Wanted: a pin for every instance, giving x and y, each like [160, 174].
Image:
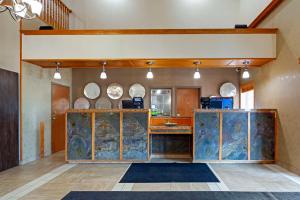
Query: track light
[197, 74]
[246, 74]
[150, 73]
[57, 74]
[103, 74]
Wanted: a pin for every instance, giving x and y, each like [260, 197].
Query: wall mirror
[92, 90]
[161, 102]
[115, 91]
[228, 90]
[137, 90]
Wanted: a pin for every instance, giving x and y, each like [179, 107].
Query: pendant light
[57, 74]
[103, 74]
[246, 74]
[150, 73]
[197, 74]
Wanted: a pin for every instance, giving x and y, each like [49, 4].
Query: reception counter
[210, 136]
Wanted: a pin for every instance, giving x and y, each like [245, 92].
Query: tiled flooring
[53, 179]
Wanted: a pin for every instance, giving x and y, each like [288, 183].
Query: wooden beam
[265, 13]
[159, 63]
[42, 140]
[149, 31]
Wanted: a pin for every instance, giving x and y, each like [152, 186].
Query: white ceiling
[127, 14]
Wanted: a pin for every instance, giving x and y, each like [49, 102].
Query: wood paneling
[42, 140]
[150, 31]
[160, 121]
[159, 63]
[9, 119]
[265, 13]
[187, 99]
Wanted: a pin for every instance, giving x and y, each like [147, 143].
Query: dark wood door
[60, 104]
[187, 99]
[9, 119]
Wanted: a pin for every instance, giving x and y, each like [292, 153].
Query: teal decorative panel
[107, 136]
[79, 127]
[135, 138]
[235, 136]
[207, 135]
[262, 136]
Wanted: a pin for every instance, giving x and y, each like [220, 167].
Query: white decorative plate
[92, 90]
[82, 103]
[115, 91]
[137, 90]
[228, 90]
[103, 103]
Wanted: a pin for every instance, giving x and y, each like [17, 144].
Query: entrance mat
[169, 172]
[181, 196]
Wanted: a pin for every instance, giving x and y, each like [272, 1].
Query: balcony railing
[56, 14]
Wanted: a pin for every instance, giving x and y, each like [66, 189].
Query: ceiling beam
[265, 13]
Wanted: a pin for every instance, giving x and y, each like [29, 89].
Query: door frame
[70, 95]
[185, 87]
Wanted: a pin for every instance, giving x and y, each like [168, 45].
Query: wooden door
[9, 119]
[187, 99]
[60, 104]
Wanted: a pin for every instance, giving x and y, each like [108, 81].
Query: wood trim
[66, 136]
[42, 140]
[148, 134]
[265, 13]
[236, 110]
[299, 60]
[221, 136]
[93, 136]
[249, 136]
[171, 133]
[150, 31]
[121, 135]
[247, 87]
[276, 143]
[193, 145]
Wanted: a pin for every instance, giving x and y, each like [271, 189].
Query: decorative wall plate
[115, 91]
[92, 90]
[82, 103]
[137, 90]
[103, 103]
[228, 90]
[120, 102]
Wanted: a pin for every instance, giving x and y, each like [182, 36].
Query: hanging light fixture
[103, 74]
[246, 74]
[150, 73]
[22, 9]
[57, 74]
[197, 74]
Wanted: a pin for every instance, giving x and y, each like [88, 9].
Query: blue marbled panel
[79, 127]
[107, 136]
[262, 136]
[135, 138]
[235, 136]
[207, 136]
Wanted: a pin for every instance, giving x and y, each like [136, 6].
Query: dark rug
[169, 172]
[181, 196]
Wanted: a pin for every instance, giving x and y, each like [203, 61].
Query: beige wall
[36, 103]
[277, 84]
[210, 82]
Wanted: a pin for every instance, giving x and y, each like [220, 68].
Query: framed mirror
[137, 90]
[115, 91]
[228, 90]
[82, 103]
[161, 100]
[91, 91]
[103, 103]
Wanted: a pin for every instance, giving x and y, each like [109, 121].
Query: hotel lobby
[141, 99]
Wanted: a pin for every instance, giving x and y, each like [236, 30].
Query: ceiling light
[103, 74]
[197, 74]
[22, 9]
[57, 74]
[246, 74]
[150, 73]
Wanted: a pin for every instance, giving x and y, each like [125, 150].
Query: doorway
[187, 99]
[60, 103]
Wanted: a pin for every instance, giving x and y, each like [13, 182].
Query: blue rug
[169, 172]
[181, 196]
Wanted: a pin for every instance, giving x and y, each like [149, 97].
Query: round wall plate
[228, 90]
[137, 90]
[92, 90]
[82, 103]
[103, 103]
[115, 91]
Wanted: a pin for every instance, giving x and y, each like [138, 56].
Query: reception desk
[235, 135]
[107, 135]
